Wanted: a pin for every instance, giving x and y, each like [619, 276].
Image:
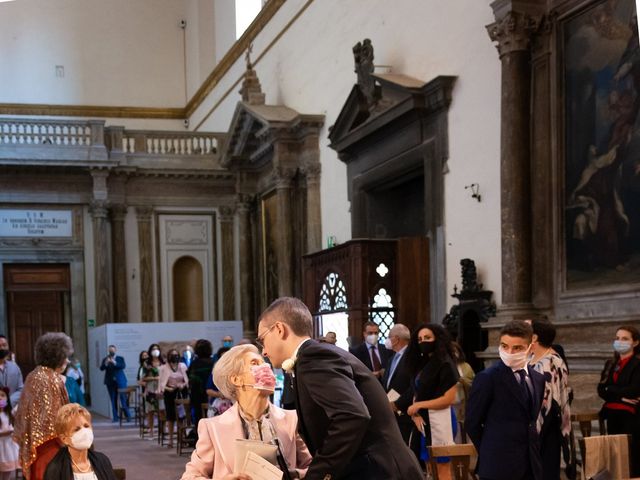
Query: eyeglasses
[260, 339]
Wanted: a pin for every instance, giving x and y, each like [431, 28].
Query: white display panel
[131, 338]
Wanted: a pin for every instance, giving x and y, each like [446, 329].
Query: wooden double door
[36, 299]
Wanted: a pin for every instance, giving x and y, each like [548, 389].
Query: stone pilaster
[243, 207]
[513, 32]
[143, 215]
[284, 220]
[102, 261]
[120, 304]
[314, 213]
[227, 218]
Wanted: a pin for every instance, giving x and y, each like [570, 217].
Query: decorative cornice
[101, 111]
[513, 32]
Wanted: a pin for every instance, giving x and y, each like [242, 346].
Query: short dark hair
[517, 328]
[369, 323]
[294, 313]
[53, 349]
[203, 348]
[545, 330]
[112, 346]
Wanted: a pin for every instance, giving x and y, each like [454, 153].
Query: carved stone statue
[469, 276]
[363, 57]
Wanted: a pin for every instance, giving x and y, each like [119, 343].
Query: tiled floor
[142, 459]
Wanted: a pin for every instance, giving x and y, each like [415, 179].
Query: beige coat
[214, 455]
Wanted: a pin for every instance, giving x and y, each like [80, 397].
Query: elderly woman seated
[242, 375]
[74, 461]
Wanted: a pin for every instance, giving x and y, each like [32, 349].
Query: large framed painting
[601, 59]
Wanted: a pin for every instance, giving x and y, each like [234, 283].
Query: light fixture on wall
[475, 191]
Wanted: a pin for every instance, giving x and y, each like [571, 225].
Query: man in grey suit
[10, 374]
[343, 411]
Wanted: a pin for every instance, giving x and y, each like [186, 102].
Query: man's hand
[378, 374]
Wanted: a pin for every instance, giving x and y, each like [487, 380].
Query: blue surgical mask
[227, 344]
[622, 346]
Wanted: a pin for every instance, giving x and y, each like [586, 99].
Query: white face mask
[372, 339]
[387, 344]
[82, 439]
[515, 361]
[155, 353]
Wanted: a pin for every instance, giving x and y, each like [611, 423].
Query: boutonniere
[289, 364]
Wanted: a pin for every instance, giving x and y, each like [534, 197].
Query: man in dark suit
[502, 409]
[343, 412]
[114, 378]
[373, 354]
[396, 378]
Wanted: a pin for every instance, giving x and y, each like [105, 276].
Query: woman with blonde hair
[74, 461]
[242, 375]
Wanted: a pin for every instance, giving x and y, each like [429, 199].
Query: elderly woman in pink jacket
[242, 375]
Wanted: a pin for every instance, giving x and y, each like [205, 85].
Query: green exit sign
[91, 322]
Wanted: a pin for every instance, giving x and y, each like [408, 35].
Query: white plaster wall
[225, 26]
[310, 69]
[201, 42]
[116, 52]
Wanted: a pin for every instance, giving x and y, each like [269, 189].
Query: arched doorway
[188, 304]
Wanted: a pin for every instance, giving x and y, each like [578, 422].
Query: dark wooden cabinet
[386, 281]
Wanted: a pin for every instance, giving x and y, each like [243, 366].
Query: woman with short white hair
[242, 375]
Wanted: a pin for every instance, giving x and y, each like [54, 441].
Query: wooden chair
[162, 420]
[460, 459]
[120, 473]
[132, 402]
[184, 427]
[610, 464]
[585, 420]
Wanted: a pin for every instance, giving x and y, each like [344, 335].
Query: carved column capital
[99, 209]
[513, 31]
[143, 213]
[283, 176]
[312, 173]
[226, 213]
[118, 212]
[243, 203]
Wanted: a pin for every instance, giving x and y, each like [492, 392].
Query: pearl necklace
[80, 470]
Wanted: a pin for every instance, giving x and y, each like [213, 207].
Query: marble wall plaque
[36, 223]
[186, 232]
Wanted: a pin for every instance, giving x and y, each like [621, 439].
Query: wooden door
[35, 306]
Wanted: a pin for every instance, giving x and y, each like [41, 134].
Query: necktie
[525, 387]
[392, 367]
[375, 361]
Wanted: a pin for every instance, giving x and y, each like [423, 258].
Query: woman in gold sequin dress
[42, 396]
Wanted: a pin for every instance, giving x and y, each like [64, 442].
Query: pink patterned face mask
[264, 377]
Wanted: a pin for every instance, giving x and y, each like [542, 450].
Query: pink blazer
[214, 455]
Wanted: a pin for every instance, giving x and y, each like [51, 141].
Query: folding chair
[184, 426]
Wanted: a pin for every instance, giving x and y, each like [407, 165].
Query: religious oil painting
[602, 153]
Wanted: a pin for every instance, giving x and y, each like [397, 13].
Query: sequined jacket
[42, 396]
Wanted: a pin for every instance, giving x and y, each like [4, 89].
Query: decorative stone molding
[513, 32]
[226, 213]
[99, 209]
[143, 213]
[118, 212]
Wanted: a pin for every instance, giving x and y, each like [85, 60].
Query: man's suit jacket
[214, 456]
[361, 352]
[502, 426]
[345, 419]
[400, 381]
[114, 373]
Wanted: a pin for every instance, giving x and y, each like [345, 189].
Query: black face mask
[3, 353]
[174, 358]
[427, 348]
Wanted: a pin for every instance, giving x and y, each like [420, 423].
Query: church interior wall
[113, 53]
[310, 69]
[133, 265]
